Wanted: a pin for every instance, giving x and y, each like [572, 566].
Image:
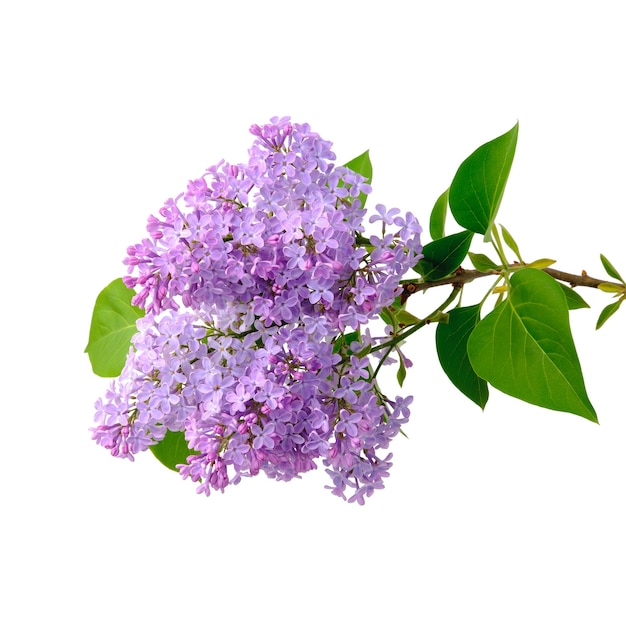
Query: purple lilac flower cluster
[257, 296]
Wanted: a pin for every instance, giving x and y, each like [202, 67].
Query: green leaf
[172, 450]
[406, 318]
[342, 343]
[477, 188]
[610, 270]
[401, 372]
[389, 313]
[611, 288]
[573, 298]
[524, 347]
[363, 166]
[387, 316]
[451, 341]
[443, 256]
[482, 262]
[541, 263]
[113, 325]
[607, 311]
[438, 216]
[508, 239]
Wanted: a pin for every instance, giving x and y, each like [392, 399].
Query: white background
[514, 515]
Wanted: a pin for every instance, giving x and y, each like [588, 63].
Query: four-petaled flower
[257, 295]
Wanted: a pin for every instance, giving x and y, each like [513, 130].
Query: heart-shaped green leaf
[524, 347]
[113, 325]
[477, 188]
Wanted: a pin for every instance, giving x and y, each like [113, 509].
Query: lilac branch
[461, 277]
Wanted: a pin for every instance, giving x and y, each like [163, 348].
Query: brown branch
[462, 277]
[576, 280]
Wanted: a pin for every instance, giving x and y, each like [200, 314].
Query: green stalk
[411, 329]
[499, 248]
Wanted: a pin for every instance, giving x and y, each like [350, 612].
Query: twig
[462, 277]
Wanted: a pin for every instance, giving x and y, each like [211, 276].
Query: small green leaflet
[610, 269]
[401, 375]
[508, 239]
[607, 311]
[482, 262]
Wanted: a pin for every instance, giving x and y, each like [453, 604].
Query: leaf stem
[497, 244]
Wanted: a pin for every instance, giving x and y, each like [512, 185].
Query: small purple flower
[238, 399]
[263, 436]
[258, 300]
[324, 240]
[348, 423]
[387, 216]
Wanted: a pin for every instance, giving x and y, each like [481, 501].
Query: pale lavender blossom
[251, 279]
